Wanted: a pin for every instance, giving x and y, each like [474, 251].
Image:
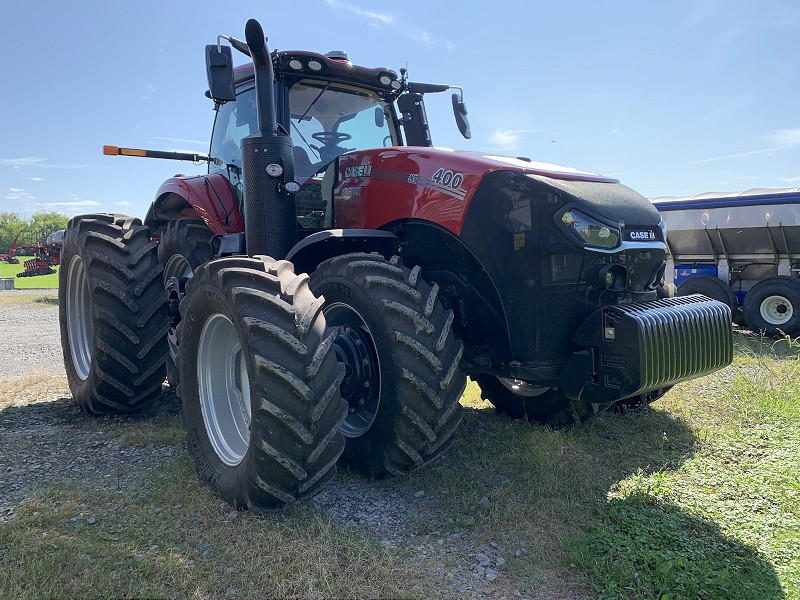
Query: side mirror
[460, 112]
[219, 68]
[380, 118]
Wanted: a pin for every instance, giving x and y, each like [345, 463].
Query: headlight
[590, 231]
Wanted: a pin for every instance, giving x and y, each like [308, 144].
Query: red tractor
[320, 295]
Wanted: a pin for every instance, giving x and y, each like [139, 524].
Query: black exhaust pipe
[270, 220]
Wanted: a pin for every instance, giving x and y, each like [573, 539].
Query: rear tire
[184, 246]
[259, 383]
[403, 380]
[542, 405]
[772, 306]
[113, 314]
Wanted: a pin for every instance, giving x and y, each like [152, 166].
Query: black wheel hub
[355, 348]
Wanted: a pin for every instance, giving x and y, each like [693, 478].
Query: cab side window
[235, 120]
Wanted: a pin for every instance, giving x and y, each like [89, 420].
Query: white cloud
[67, 166]
[376, 17]
[75, 204]
[26, 161]
[15, 190]
[383, 19]
[35, 178]
[425, 38]
[507, 139]
[786, 137]
[123, 203]
[168, 139]
[763, 151]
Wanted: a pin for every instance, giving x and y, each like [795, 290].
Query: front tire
[259, 383]
[520, 399]
[113, 314]
[403, 382]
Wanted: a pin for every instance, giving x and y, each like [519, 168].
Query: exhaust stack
[267, 162]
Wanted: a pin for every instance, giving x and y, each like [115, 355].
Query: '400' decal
[447, 179]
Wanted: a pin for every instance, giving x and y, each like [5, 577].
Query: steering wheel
[331, 138]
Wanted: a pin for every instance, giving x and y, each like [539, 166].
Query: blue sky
[672, 98]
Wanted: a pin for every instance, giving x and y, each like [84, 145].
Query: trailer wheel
[714, 288]
[259, 383]
[184, 246]
[402, 382]
[772, 306]
[520, 399]
[113, 314]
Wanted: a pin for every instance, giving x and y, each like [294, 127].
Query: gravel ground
[30, 335]
[50, 441]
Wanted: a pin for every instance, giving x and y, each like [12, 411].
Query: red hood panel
[376, 187]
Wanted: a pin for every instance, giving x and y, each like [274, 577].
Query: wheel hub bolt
[366, 384]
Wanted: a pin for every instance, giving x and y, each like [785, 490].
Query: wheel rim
[224, 389]
[177, 266]
[361, 387]
[523, 388]
[79, 318]
[776, 310]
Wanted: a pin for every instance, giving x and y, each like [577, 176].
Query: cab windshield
[328, 119]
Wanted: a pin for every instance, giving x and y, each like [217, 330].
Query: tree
[10, 225]
[48, 222]
[39, 225]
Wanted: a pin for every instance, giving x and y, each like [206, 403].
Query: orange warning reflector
[112, 150]
[132, 152]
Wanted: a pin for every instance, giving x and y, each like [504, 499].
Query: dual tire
[112, 314]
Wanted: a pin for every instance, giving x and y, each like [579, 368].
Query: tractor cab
[328, 107]
[325, 118]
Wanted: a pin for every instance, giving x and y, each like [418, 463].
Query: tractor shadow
[557, 493]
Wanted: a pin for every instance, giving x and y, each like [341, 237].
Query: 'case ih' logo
[642, 236]
[358, 171]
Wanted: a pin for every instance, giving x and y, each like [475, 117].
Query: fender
[210, 197]
[309, 252]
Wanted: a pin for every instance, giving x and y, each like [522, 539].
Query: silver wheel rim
[79, 318]
[360, 418]
[177, 266]
[523, 388]
[776, 310]
[224, 389]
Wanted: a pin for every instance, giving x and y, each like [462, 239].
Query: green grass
[38, 282]
[696, 497]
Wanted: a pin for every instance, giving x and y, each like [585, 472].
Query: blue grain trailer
[740, 248]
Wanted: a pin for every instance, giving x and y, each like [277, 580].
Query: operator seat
[303, 168]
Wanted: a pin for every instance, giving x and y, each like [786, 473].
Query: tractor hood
[442, 185]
